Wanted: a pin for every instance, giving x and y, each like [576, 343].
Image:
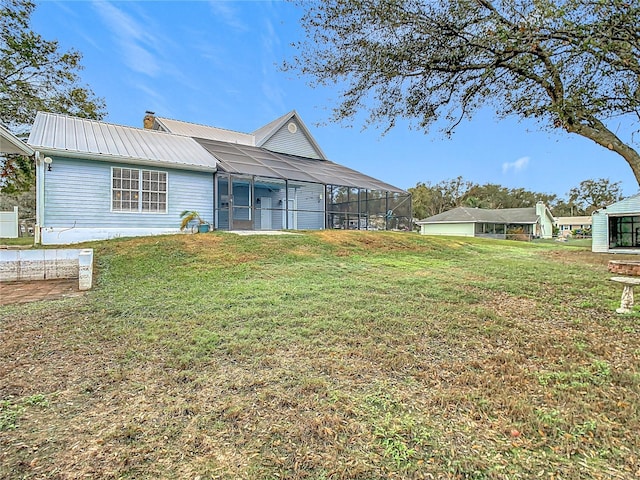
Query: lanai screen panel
[321, 194]
[236, 158]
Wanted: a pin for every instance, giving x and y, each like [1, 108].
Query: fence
[9, 224]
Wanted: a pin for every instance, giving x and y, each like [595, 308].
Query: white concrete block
[85, 269]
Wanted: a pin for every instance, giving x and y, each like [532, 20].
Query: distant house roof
[485, 215]
[62, 135]
[9, 143]
[583, 220]
[248, 160]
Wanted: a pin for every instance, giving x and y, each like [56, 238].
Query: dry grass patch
[342, 355]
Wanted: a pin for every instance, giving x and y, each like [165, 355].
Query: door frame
[241, 223]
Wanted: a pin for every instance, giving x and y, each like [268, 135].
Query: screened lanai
[257, 189]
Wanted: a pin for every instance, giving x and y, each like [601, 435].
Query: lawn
[327, 355]
[24, 241]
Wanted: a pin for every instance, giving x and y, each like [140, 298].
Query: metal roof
[485, 215]
[204, 131]
[62, 135]
[248, 160]
[9, 143]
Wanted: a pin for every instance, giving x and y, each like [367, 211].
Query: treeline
[431, 199]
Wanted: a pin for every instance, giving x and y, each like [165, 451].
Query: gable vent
[292, 127]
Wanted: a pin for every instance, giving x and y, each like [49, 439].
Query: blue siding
[309, 204]
[284, 141]
[600, 221]
[599, 232]
[78, 194]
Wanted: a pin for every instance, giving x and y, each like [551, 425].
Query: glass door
[241, 203]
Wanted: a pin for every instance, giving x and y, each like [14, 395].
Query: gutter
[101, 157]
[18, 145]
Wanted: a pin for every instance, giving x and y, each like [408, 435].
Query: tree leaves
[429, 200]
[35, 75]
[570, 64]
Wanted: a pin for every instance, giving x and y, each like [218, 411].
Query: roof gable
[288, 134]
[63, 135]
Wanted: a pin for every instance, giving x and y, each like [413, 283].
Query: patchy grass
[16, 241]
[326, 355]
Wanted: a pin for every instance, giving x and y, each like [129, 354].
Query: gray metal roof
[485, 215]
[204, 131]
[9, 143]
[248, 160]
[62, 135]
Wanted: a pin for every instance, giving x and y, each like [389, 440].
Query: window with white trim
[134, 190]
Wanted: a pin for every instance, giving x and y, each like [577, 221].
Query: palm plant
[189, 216]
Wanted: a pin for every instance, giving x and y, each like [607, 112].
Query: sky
[219, 63]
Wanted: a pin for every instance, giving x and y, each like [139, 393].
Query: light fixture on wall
[48, 161]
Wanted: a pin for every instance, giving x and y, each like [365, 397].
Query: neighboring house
[566, 225]
[492, 223]
[97, 180]
[616, 227]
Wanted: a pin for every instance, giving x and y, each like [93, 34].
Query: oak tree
[570, 64]
[592, 194]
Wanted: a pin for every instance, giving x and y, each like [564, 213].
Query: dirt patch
[34, 291]
[571, 256]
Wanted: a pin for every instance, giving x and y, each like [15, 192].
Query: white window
[154, 191]
[131, 194]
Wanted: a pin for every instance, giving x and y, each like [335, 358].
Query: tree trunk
[600, 134]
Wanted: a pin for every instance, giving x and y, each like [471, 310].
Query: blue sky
[217, 63]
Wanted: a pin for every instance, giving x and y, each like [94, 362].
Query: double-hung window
[136, 190]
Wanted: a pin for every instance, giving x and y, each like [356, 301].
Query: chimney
[149, 120]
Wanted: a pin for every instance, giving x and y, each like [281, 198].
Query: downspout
[39, 198]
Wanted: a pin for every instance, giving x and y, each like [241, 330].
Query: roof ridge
[112, 124]
[206, 126]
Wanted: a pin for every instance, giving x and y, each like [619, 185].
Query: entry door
[241, 203]
[265, 213]
[292, 216]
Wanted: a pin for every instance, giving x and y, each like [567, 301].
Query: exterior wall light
[48, 161]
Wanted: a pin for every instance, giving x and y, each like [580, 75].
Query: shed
[616, 227]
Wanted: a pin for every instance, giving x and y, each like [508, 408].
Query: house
[492, 223]
[97, 180]
[567, 225]
[616, 227]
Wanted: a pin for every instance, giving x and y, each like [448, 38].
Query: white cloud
[228, 15]
[517, 166]
[137, 44]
